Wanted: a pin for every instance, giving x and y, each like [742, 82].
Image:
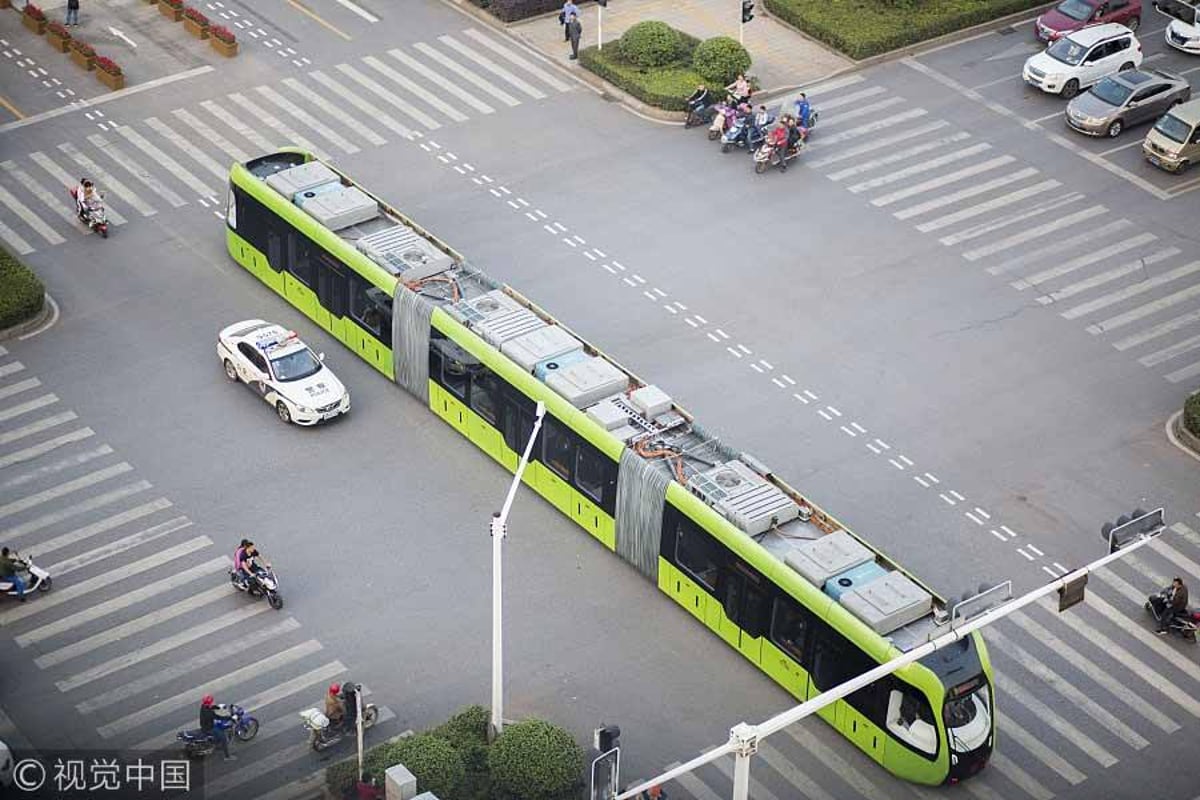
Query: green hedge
[1191, 414]
[651, 43]
[534, 760]
[720, 60]
[862, 28]
[21, 293]
[513, 10]
[664, 87]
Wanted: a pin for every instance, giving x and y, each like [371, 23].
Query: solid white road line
[1019, 777]
[60, 596]
[869, 109]
[112, 548]
[512, 56]
[40, 449]
[434, 77]
[324, 130]
[901, 137]
[182, 174]
[369, 17]
[1133, 290]
[288, 135]
[1121, 320]
[134, 167]
[237, 126]
[917, 169]
[334, 112]
[230, 649]
[68, 181]
[1085, 260]
[791, 773]
[400, 103]
[1030, 234]
[106, 181]
[965, 193]
[1161, 329]
[190, 150]
[842, 100]
[492, 67]
[1015, 692]
[53, 493]
[941, 180]
[17, 388]
[371, 110]
[55, 203]
[1168, 353]
[412, 88]
[91, 504]
[1064, 687]
[1005, 220]
[901, 156]
[991, 205]
[29, 405]
[108, 636]
[803, 735]
[74, 460]
[466, 74]
[1039, 751]
[210, 135]
[880, 124]
[1118, 689]
[43, 424]
[31, 219]
[212, 686]
[1128, 268]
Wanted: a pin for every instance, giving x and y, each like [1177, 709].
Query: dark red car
[1071, 15]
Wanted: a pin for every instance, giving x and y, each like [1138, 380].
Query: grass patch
[1191, 414]
[863, 28]
[665, 87]
[21, 292]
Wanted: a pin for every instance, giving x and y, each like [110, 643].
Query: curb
[1181, 437]
[21, 329]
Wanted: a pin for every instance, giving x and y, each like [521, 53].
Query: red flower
[107, 65]
[83, 48]
[221, 33]
[59, 30]
[34, 12]
[195, 16]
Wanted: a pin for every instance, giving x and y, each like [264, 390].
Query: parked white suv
[1082, 58]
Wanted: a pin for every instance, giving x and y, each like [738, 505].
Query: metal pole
[499, 529]
[358, 716]
[742, 34]
[599, 28]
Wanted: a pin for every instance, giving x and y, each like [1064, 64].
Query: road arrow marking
[122, 37]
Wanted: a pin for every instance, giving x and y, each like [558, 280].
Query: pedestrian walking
[564, 18]
[72, 12]
[574, 31]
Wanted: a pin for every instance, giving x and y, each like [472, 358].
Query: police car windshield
[295, 365]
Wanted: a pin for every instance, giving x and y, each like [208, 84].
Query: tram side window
[485, 394]
[454, 377]
[252, 221]
[300, 257]
[558, 447]
[698, 553]
[910, 717]
[332, 284]
[789, 625]
[518, 422]
[371, 309]
[449, 365]
[595, 475]
[837, 660]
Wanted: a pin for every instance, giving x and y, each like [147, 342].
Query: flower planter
[85, 61]
[149, 2]
[173, 14]
[38, 26]
[5, 3]
[59, 43]
[195, 28]
[111, 81]
[227, 49]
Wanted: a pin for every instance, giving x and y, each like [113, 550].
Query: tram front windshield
[967, 714]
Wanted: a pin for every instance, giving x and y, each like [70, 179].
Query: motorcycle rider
[1177, 603]
[740, 90]
[10, 570]
[215, 721]
[698, 99]
[239, 562]
[803, 109]
[335, 708]
[86, 196]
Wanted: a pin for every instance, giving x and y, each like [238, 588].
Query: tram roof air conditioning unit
[745, 498]
[723, 482]
[474, 310]
[401, 251]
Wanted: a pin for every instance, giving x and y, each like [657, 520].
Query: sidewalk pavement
[782, 58]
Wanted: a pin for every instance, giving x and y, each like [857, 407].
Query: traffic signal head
[602, 3]
[607, 737]
[747, 10]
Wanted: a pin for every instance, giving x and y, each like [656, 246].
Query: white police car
[273, 362]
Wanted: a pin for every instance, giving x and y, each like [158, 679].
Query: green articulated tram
[761, 565]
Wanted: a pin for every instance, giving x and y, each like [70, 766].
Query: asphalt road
[874, 353]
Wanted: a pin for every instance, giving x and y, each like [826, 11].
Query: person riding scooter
[1176, 604]
[10, 570]
[335, 707]
[803, 109]
[87, 198]
[215, 721]
[697, 105]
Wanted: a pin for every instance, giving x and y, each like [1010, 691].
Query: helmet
[207, 701]
[655, 792]
[335, 689]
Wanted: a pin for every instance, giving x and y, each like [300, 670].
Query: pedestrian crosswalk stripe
[288, 136]
[843, 99]
[833, 84]
[806, 786]
[14, 239]
[109, 549]
[68, 182]
[511, 55]
[45, 423]
[916, 169]
[757, 790]
[188, 697]
[901, 137]
[440, 80]
[27, 406]
[1002, 221]
[17, 388]
[1009, 769]
[1168, 353]
[803, 735]
[73, 460]
[1184, 374]
[238, 127]
[412, 88]
[871, 127]
[1133, 315]
[10, 368]
[226, 651]
[965, 193]
[29, 218]
[942, 180]
[1118, 689]
[1161, 329]
[695, 787]
[59, 204]
[181, 173]
[982, 208]
[100, 526]
[334, 112]
[1029, 234]
[184, 146]
[1128, 268]
[126, 629]
[1178, 561]
[1085, 260]
[1064, 687]
[40, 449]
[134, 167]
[466, 74]
[106, 180]
[373, 111]
[1132, 290]
[1067, 245]
[399, 102]
[287, 105]
[982, 791]
[492, 67]
[210, 135]
[55, 492]
[1040, 751]
[865, 111]
[903, 156]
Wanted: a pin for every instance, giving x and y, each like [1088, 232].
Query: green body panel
[254, 261]
[783, 668]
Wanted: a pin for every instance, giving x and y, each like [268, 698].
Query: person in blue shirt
[564, 17]
[803, 109]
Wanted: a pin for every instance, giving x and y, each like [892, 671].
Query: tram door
[744, 598]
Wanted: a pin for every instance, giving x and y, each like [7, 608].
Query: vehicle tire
[760, 167]
[276, 600]
[1128, 65]
[104, 233]
[281, 410]
[1148, 608]
[712, 135]
[371, 713]
[230, 370]
[726, 147]
[1070, 89]
[1114, 129]
[1184, 166]
[44, 586]
[1133, 23]
[248, 731]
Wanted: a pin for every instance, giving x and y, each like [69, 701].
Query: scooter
[1184, 625]
[699, 114]
[722, 121]
[262, 583]
[198, 744]
[36, 579]
[322, 734]
[769, 155]
[739, 133]
[91, 214]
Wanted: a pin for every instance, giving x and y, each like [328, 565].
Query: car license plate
[1154, 160]
[330, 414]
